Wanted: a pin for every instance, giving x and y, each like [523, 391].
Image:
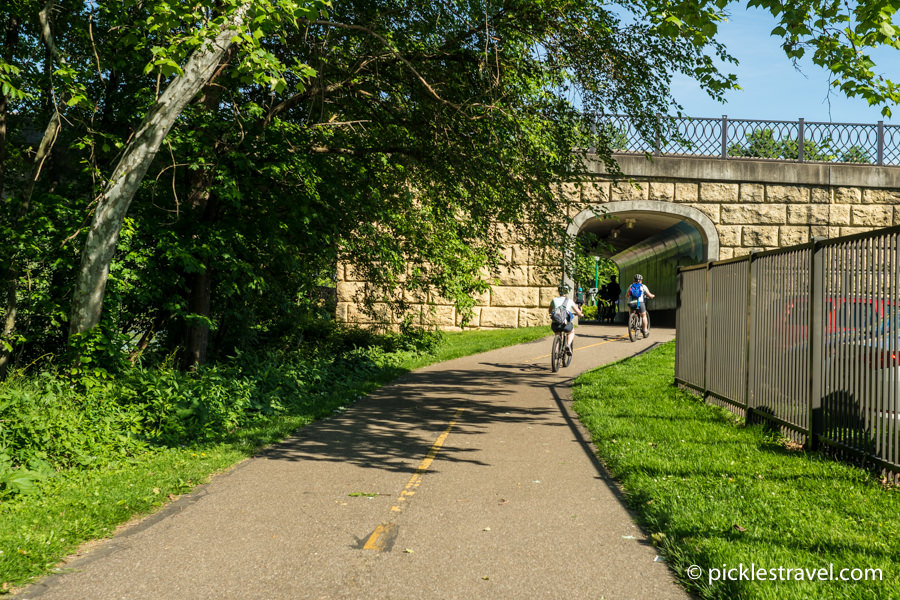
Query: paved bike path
[466, 479]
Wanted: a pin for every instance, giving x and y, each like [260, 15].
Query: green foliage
[583, 261]
[762, 143]
[855, 154]
[840, 37]
[21, 480]
[9, 80]
[589, 264]
[65, 423]
[811, 150]
[85, 416]
[97, 353]
[612, 139]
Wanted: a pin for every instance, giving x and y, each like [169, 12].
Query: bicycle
[635, 323]
[558, 354]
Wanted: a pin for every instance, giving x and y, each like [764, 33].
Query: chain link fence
[803, 339]
[801, 140]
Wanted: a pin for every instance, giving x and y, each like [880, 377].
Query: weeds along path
[467, 479]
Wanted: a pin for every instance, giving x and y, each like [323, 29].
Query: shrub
[77, 420]
[19, 480]
[50, 419]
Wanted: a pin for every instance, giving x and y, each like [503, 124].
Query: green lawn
[465, 343]
[713, 493]
[40, 528]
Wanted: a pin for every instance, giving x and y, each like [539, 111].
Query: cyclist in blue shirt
[638, 293]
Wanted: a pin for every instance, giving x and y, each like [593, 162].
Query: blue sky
[772, 88]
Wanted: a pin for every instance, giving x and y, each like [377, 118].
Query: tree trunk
[4, 103]
[9, 323]
[147, 337]
[197, 332]
[100, 245]
[203, 209]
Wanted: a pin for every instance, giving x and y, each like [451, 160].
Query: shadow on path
[393, 427]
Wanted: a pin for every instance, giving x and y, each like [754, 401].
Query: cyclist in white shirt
[572, 308]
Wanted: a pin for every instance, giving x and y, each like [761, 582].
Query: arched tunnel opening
[654, 244]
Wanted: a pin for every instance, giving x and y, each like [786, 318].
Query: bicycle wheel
[556, 353]
[634, 325]
[567, 356]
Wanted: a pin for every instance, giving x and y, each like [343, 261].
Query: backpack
[559, 318]
[635, 290]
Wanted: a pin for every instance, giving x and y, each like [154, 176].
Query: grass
[39, 529]
[465, 343]
[712, 492]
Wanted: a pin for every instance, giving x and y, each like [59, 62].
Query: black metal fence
[801, 140]
[806, 339]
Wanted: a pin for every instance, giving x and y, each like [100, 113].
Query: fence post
[816, 340]
[679, 287]
[801, 141]
[749, 338]
[657, 142]
[724, 136]
[706, 334]
[880, 143]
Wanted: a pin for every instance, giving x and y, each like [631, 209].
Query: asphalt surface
[467, 479]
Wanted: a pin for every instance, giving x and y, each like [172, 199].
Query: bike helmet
[638, 277]
[563, 289]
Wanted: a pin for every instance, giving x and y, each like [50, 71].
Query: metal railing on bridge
[806, 339]
[801, 140]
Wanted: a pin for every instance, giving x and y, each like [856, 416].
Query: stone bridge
[732, 206]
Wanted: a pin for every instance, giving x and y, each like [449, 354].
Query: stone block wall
[753, 205]
[762, 205]
[755, 217]
[520, 297]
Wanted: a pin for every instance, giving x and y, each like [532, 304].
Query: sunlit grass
[712, 492]
[466, 343]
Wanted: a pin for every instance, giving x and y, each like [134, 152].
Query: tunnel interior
[653, 244]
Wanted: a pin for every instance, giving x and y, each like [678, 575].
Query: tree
[840, 35]
[122, 185]
[761, 143]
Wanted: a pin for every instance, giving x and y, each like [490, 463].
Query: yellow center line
[376, 541]
[582, 347]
